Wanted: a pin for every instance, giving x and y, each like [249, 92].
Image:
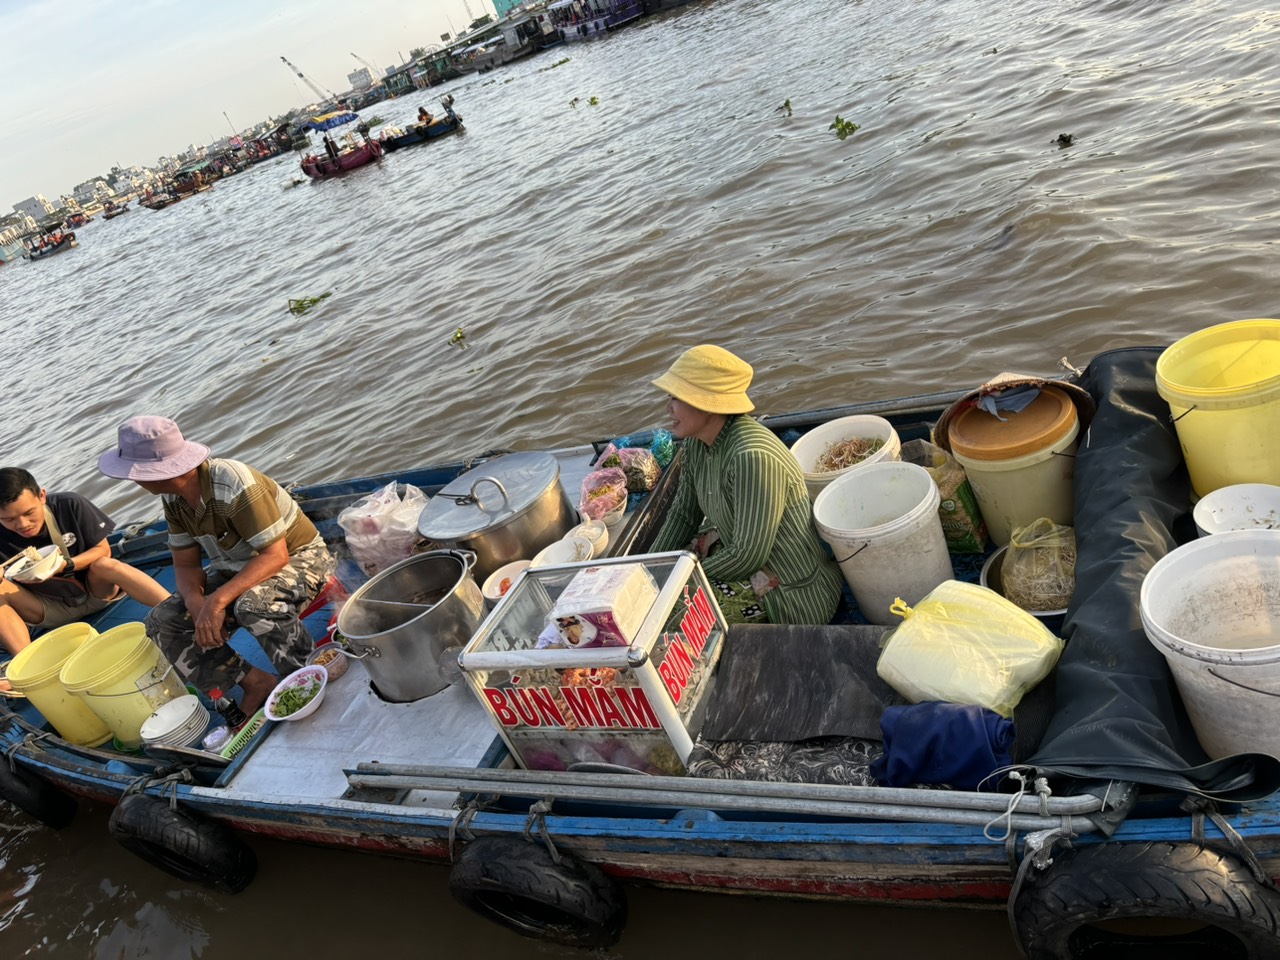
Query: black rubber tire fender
[182, 843]
[35, 797]
[518, 885]
[1221, 911]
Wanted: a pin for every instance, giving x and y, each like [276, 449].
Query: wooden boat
[66, 243]
[424, 132]
[1119, 816]
[321, 167]
[110, 213]
[159, 201]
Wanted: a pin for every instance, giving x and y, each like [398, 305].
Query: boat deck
[304, 761]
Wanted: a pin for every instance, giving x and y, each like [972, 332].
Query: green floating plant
[786, 107]
[303, 304]
[843, 127]
[594, 101]
[459, 339]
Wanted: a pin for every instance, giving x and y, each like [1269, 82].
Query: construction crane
[315, 87]
[373, 71]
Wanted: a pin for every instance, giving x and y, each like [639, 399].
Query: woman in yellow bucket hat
[742, 504]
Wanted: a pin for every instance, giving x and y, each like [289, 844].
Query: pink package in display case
[604, 606]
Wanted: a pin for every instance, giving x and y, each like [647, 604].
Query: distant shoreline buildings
[521, 29]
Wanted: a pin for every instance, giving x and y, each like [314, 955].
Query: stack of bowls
[182, 722]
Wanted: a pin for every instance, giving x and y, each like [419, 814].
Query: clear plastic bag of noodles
[964, 643]
[1039, 569]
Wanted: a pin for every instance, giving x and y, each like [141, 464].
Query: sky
[88, 84]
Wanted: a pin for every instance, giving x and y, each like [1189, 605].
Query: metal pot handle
[468, 557]
[495, 481]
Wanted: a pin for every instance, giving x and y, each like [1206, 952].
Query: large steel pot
[506, 509]
[409, 623]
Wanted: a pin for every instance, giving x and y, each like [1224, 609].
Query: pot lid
[474, 503]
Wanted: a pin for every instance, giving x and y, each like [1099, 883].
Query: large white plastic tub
[882, 523]
[1212, 607]
[810, 447]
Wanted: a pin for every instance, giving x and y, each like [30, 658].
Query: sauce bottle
[229, 709]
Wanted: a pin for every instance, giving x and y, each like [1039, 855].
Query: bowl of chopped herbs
[297, 695]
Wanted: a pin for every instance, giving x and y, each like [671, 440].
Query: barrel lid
[472, 504]
[978, 435]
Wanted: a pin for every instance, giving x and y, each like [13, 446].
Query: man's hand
[210, 624]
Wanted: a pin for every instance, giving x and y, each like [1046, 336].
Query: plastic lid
[524, 476]
[978, 435]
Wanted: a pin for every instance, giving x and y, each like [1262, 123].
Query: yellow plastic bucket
[1223, 387]
[34, 673]
[122, 677]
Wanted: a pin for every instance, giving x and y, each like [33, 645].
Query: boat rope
[1042, 790]
[1036, 851]
[462, 824]
[538, 818]
[11, 751]
[1201, 807]
[168, 784]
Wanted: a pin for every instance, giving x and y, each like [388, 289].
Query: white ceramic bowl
[299, 678]
[28, 571]
[595, 531]
[492, 588]
[570, 549]
[1240, 506]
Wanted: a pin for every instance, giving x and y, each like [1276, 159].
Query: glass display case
[633, 696]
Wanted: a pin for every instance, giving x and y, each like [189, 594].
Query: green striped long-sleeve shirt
[749, 488]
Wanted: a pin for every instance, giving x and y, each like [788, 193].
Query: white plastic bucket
[1212, 607]
[882, 523]
[1013, 492]
[810, 447]
[1241, 506]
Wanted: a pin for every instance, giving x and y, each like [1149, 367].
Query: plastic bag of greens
[638, 463]
[967, 644]
[603, 491]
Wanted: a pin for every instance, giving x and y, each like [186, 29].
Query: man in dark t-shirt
[86, 577]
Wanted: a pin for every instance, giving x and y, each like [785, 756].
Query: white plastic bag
[382, 528]
[967, 644]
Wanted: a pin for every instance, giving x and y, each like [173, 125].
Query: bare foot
[257, 685]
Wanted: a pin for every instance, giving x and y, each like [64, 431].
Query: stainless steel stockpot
[504, 510]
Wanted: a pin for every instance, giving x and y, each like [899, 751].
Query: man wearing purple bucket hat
[266, 559]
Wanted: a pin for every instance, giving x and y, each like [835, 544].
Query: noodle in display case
[638, 705]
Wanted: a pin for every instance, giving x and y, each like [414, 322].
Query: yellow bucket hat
[709, 378]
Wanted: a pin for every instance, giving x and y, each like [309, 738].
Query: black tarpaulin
[1118, 714]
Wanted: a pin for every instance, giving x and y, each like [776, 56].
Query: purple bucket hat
[151, 448]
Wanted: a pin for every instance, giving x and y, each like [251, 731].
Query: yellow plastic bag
[967, 644]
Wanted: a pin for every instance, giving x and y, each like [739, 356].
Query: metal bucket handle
[1243, 686]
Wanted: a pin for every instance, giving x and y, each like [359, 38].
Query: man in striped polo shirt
[266, 559]
[742, 504]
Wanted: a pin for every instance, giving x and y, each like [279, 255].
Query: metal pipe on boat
[720, 801]
[533, 779]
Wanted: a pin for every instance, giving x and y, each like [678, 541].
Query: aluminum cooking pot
[505, 510]
[409, 623]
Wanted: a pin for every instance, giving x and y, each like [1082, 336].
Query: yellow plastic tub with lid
[1222, 385]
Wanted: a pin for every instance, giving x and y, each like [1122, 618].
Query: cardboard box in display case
[632, 695]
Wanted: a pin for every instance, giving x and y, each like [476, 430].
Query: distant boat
[113, 211]
[11, 251]
[337, 160]
[422, 132]
[65, 242]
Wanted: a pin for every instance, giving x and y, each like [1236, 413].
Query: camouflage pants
[268, 611]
